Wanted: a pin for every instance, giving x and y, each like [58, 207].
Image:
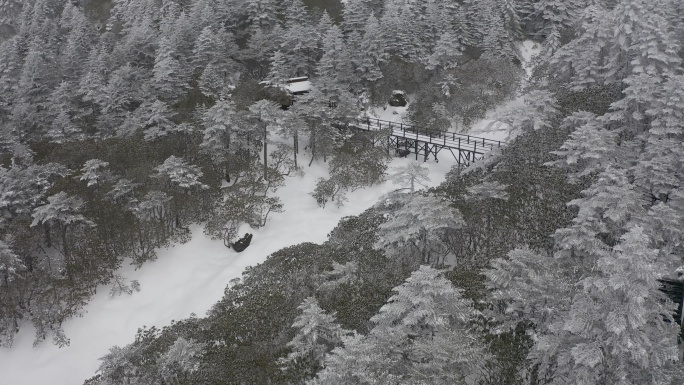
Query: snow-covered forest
[128, 124]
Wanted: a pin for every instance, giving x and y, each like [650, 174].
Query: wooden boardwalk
[409, 139]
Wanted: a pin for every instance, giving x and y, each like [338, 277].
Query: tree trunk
[296, 148]
[312, 144]
[48, 240]
[265, 154]
[64, 243]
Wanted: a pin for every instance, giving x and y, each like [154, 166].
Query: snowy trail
[185, 279]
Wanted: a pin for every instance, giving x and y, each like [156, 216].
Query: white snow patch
[393, 114]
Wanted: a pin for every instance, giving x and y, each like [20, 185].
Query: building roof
[299, 86]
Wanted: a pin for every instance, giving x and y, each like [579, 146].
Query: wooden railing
[448, 139]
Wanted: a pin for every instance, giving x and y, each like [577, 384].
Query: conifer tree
[589, 149]
[317, 334]
[420, 335]
[219, 122]
[159, 120]
[62, 214]
[414, 233]
[355, 14]
[266, 117]
[371, 51]
[334, 64]
[94, 171]
[169, 79]
[177, 172]
[261, 15]
[299, 41]
[277, 73]
[447, 52]
[412, 174]
[10, 67]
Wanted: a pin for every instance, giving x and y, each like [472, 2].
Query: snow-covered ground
[185, 279]
[191, 277]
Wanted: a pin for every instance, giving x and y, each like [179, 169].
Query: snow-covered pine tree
[619, 325]
[607, 327]
[291, 126]
[61, 214]
[497, 40]
[125, 91]
[605, 208]
[80, 36]
[204, 50]
[159, 121]
[62, 109]
[278, 72]
[261, 15]
[299, 41]
[94, 77]
[11, 269]
[589, 149]
[447, 52]
[138, 46]
[317, 333]
[94, 171]
[421, 335]
[180, 174]
[355, 14]
[265, 117]
[412, 174]
[334, 65]
[10, 69]
[549, 14]
[413, 233]
[10, 266]
[372, 51]
[399, 21]
[219, 122]
[122, 192]
[169, 79]
[180, 361]
[36, 80]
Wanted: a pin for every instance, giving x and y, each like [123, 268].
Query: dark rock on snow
[242, 243]
[402, 152]
[398, 99]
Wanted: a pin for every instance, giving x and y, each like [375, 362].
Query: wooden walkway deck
[421, 142]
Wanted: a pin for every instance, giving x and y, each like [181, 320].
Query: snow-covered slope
[185, 279]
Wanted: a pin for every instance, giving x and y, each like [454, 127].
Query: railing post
[474, 149]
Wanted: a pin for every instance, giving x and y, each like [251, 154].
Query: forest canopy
[123, 122]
